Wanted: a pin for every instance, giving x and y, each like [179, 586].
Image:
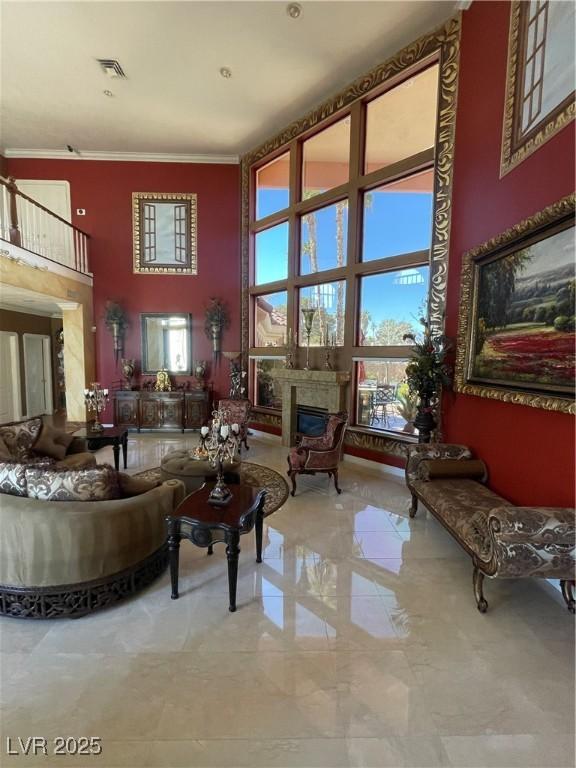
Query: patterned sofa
[503, 540]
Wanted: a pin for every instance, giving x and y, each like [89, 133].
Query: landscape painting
[523, 319]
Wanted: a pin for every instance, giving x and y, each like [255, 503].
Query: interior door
[38, 374]
[9, 378]
[54, 238]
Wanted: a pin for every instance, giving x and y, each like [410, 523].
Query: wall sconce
[116, 322]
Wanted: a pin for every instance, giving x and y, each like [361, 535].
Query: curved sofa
[66, 559]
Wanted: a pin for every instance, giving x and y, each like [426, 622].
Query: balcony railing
[29, 225]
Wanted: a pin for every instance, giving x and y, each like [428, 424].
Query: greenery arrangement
[427, 369]
[114, 315]
[216, 315]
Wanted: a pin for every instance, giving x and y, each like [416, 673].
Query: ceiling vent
[112, 68]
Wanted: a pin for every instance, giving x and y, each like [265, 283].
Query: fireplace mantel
[318, 389]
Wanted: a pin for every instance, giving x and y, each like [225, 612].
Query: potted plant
[216, 319]
[426, 373]
[407, 406]
[116, 322]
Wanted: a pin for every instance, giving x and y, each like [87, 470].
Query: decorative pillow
[95, 484]
[5, 454]
[13, 478]
[52, 442]
[135, 486]
[19, 438]
[436, 468]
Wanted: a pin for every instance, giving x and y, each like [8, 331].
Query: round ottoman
[193, 473]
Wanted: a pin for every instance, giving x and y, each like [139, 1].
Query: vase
[424, 422]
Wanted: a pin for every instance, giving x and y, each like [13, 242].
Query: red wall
[529, 452]
[105, 189]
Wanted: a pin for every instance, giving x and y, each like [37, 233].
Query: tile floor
[356, 643]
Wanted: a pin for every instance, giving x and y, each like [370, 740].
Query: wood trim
[442, 46]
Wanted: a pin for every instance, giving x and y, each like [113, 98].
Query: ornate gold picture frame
[164, 233]
[540, 78]
[516, 325]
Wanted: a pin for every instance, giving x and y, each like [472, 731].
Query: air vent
[112, 68]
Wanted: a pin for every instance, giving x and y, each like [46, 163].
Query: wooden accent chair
[238, 413]
[319, 454]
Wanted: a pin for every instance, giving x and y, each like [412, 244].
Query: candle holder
[329, 351]
[220, 441]
[96, 400]
[308, 315]
[291, 345]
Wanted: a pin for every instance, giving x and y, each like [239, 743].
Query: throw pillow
[135, 486]
[19, 438]
[52, 442]
[95, 484]
[13, 478]
[437, 468]
[5, 454]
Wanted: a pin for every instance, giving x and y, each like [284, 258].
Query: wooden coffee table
[117, 437]
[205, 525]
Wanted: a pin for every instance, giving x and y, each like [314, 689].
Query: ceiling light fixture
[108, 93]
[226, 73]
[294, 10]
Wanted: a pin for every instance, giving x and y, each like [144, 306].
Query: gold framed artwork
[517, 314]
[164, 233]
[540, 77]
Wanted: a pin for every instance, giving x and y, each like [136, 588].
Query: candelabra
[96, 400]
[220, 441]
[308, 315]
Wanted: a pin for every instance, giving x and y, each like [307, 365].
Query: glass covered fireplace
[311, 421]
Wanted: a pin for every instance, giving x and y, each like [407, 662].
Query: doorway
[10, 409]
[38, 374]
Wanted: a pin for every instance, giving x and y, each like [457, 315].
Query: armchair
[319, 454]
[238, 413]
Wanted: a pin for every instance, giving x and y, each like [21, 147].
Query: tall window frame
[439, 48]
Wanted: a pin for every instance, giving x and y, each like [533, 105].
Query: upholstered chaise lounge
[503, 540]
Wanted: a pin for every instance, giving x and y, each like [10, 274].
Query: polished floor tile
[356, 643]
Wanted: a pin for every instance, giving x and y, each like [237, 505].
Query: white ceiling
[174, 100]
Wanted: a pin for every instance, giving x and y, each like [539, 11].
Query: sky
[394, 223]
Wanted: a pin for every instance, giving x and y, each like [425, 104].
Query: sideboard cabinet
[161, 410]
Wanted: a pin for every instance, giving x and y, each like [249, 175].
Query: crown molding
[137, 157]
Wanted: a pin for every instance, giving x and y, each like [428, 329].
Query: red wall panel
[529, 452]
[105, 189]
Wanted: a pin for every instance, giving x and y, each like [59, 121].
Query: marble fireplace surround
[317, 389]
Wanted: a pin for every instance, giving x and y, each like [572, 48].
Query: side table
[204, 525]
[117, 437]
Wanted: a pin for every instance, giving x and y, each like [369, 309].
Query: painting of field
[524, 327]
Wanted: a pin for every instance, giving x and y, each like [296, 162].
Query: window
[329, 301]
[402, 122]
[268, 393]
[326, 159]
[391, 304]
[272, 186]
[382, 398]
[358, 256]
[323, 240]
[270, 319]
[398, 217]
[271, 254]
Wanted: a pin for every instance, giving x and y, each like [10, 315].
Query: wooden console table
[161, 410]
